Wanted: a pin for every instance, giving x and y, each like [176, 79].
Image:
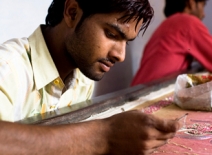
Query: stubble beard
[85, 66]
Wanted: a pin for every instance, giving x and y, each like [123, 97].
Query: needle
[177, 119]
[183, 127]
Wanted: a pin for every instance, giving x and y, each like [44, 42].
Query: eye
[109, 34]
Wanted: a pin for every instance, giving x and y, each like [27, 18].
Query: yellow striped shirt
[30, 83]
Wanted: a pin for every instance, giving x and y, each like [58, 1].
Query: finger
[167, 125]
[146, 148]
[165, 136]
[153, 133]
[153, 144]
[150, 151]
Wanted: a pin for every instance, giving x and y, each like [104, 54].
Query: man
[179, 40]
[52, 68]
[81, 40]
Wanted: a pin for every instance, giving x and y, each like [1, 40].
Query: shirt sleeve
[14, 83]
[6, 109]
[201, 44]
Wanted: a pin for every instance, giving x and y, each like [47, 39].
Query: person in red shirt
[179, 40]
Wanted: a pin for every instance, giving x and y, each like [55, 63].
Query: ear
[191, 4]
[71, 13]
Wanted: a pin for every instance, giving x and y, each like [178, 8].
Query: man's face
[198, 10]
[99, 43]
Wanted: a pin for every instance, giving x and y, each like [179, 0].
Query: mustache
[107, 60]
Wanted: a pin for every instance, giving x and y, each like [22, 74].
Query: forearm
[72, 139]
[25, 139]
[127, 133]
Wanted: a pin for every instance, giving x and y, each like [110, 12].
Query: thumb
[167, 125]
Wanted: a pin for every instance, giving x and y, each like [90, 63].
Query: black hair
[132, 9]
[174, 6]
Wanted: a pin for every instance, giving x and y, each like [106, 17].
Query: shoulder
[14, 58]
[17, 47]
[15, 66]
[183, 23]
[184, 18]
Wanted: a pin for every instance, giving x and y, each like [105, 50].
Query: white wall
[19, 18]
[208, 12]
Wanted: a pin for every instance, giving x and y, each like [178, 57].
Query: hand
[137, 133]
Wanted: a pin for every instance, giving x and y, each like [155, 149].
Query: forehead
[116, 19]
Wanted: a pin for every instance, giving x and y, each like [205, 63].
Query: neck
[55, 42]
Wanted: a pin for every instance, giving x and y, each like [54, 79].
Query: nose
[118, 52]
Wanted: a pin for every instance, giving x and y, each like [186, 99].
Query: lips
[106, 65]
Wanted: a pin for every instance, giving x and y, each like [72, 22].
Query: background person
[174, 45]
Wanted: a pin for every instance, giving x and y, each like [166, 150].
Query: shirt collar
[43, 66]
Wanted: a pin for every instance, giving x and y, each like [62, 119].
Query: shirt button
[52, 106]
[57, 81]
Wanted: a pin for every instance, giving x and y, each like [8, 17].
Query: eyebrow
[121, 33]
